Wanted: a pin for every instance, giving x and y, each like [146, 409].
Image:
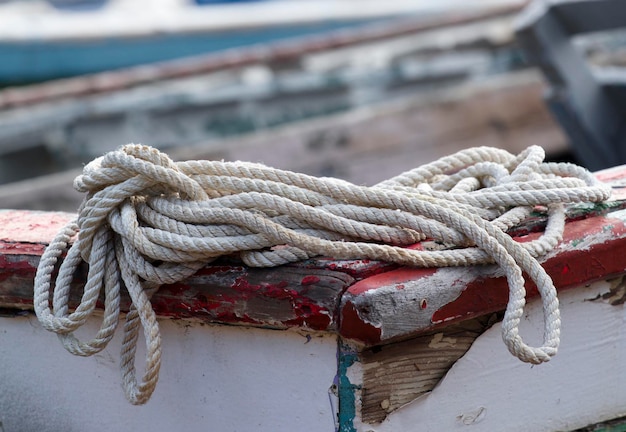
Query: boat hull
[40, 60]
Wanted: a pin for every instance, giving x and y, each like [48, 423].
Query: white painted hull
[488, 390]
[229, 378]
[219, 378]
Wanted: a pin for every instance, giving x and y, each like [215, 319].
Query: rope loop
[147, 220]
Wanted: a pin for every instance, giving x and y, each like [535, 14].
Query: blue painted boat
[40, 60]
[62, 38]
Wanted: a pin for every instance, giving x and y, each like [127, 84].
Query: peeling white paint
[488, 390]
[619, 214]
[399, 312]
[473, 416]
[439, 341]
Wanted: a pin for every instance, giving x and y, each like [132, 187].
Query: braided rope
[147, 220]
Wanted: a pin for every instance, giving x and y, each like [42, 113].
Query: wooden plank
[398, 373]
[213, 377]
[279, 297]
[400, 317]
[404, 302]
[488, 388]
[204, 107]
[385, 303]
[303, 297]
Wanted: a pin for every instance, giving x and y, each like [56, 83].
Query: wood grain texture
[396, 374]
[405, 301]
[488, 390]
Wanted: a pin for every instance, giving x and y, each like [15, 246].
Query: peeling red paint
[252, 296]
[200, 307]
[10, 268]
[12, 248]
[309, 280]
[570, 268]
[390, 278]
[611, 174]
[242, 285]
[21, 226]
[289, 296]
[306, 312]
[353, 326]
[310, 315]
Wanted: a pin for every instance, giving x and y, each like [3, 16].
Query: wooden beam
[278, 298]
[405, 302]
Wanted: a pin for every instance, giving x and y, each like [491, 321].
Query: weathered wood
[385, 304]
[396, 374]
[488, 390]
[395, 317]
[405, 302]
[275, 54]
[299, 296]
[213, 378]
[277, 298]
[241, 91]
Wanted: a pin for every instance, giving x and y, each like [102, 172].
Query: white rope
[147, 220]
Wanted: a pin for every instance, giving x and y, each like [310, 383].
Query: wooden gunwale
[364, 301]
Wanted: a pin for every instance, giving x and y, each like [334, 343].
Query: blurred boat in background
[361, 104]
[42, 40]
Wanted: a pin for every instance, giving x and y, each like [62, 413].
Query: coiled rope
[148, 221]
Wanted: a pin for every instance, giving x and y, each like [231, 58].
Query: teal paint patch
[576, 242]
[347, 356]
[616, 425]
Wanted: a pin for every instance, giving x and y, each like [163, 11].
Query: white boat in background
[41, 40]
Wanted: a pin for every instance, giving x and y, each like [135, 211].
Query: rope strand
[142, 208]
